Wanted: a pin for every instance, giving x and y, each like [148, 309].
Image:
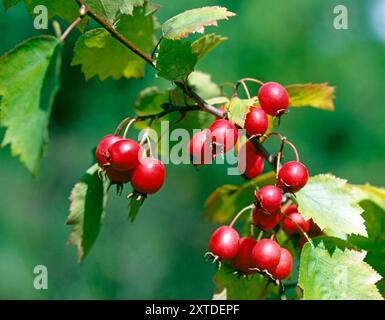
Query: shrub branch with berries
[283, 233]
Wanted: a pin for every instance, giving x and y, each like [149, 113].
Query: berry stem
[70, 28]
[128, 127]
[241, 82]
[252, 80]
[294, 149]
[239, 214]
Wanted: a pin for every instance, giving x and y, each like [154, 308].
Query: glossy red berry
[256, 122]
[284, 267]
[290, 227]
[266, 254]
[116, 176]
[290, 209]
[273, 98]
[124, 154]
[242, 260]
[102, 149]
[293, 176]
[224, 243]
[148, 177]
[270, 198]
[250, 162]
[224, 134]
[265, 220]
[200, 148]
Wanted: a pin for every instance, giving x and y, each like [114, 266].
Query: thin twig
[70, 28]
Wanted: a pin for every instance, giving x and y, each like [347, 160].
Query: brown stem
[239, 214]
[117, 35]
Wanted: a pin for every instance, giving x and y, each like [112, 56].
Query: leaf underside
[87, 210]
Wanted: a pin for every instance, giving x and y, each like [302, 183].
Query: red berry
[273, 98]
[200, 148]
[293, 176]
[250, 162]
[290, 209]
[284, 267]
[116, 176]
[148, 176]
[224, 243]
[256, 122]
[290, 227]
[224, 134]
[265, 220]
[102, 149]
[242, 260]
[124, 154]
[266, 254]
[270, 198]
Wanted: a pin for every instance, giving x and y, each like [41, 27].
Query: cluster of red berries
[121, 159]
[270, 206]
[248, 256]
[222, 135]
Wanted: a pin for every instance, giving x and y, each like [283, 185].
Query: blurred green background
[160, 256]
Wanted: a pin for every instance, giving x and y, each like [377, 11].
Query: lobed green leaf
[29, 81]
[99, 54]
[331, 204]
[342, 275]
[205, 44]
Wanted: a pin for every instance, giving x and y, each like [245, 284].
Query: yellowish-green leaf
[194, 20]
[206, 44]
[320, 96]
[331, 204]
[342, 275]
[203, 85]
[238, 109]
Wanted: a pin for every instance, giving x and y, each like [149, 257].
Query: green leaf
[372, 200]
[111, 9]
[206, 44]
[203, 85]
[331, 204]
[134, 207]
[238, 109]
[229, 286]
[227, 200]
[194, 20]
[67, 10]
[343, 275]
[29, 81]
[99, 54]
[149, 101]
[87, 210]
[319, 96]
[10, 3]
[176, 59]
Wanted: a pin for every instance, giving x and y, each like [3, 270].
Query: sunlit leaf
[330, 203]
[319, 96]
[194, 20]
[206, 44]
[342, 275]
